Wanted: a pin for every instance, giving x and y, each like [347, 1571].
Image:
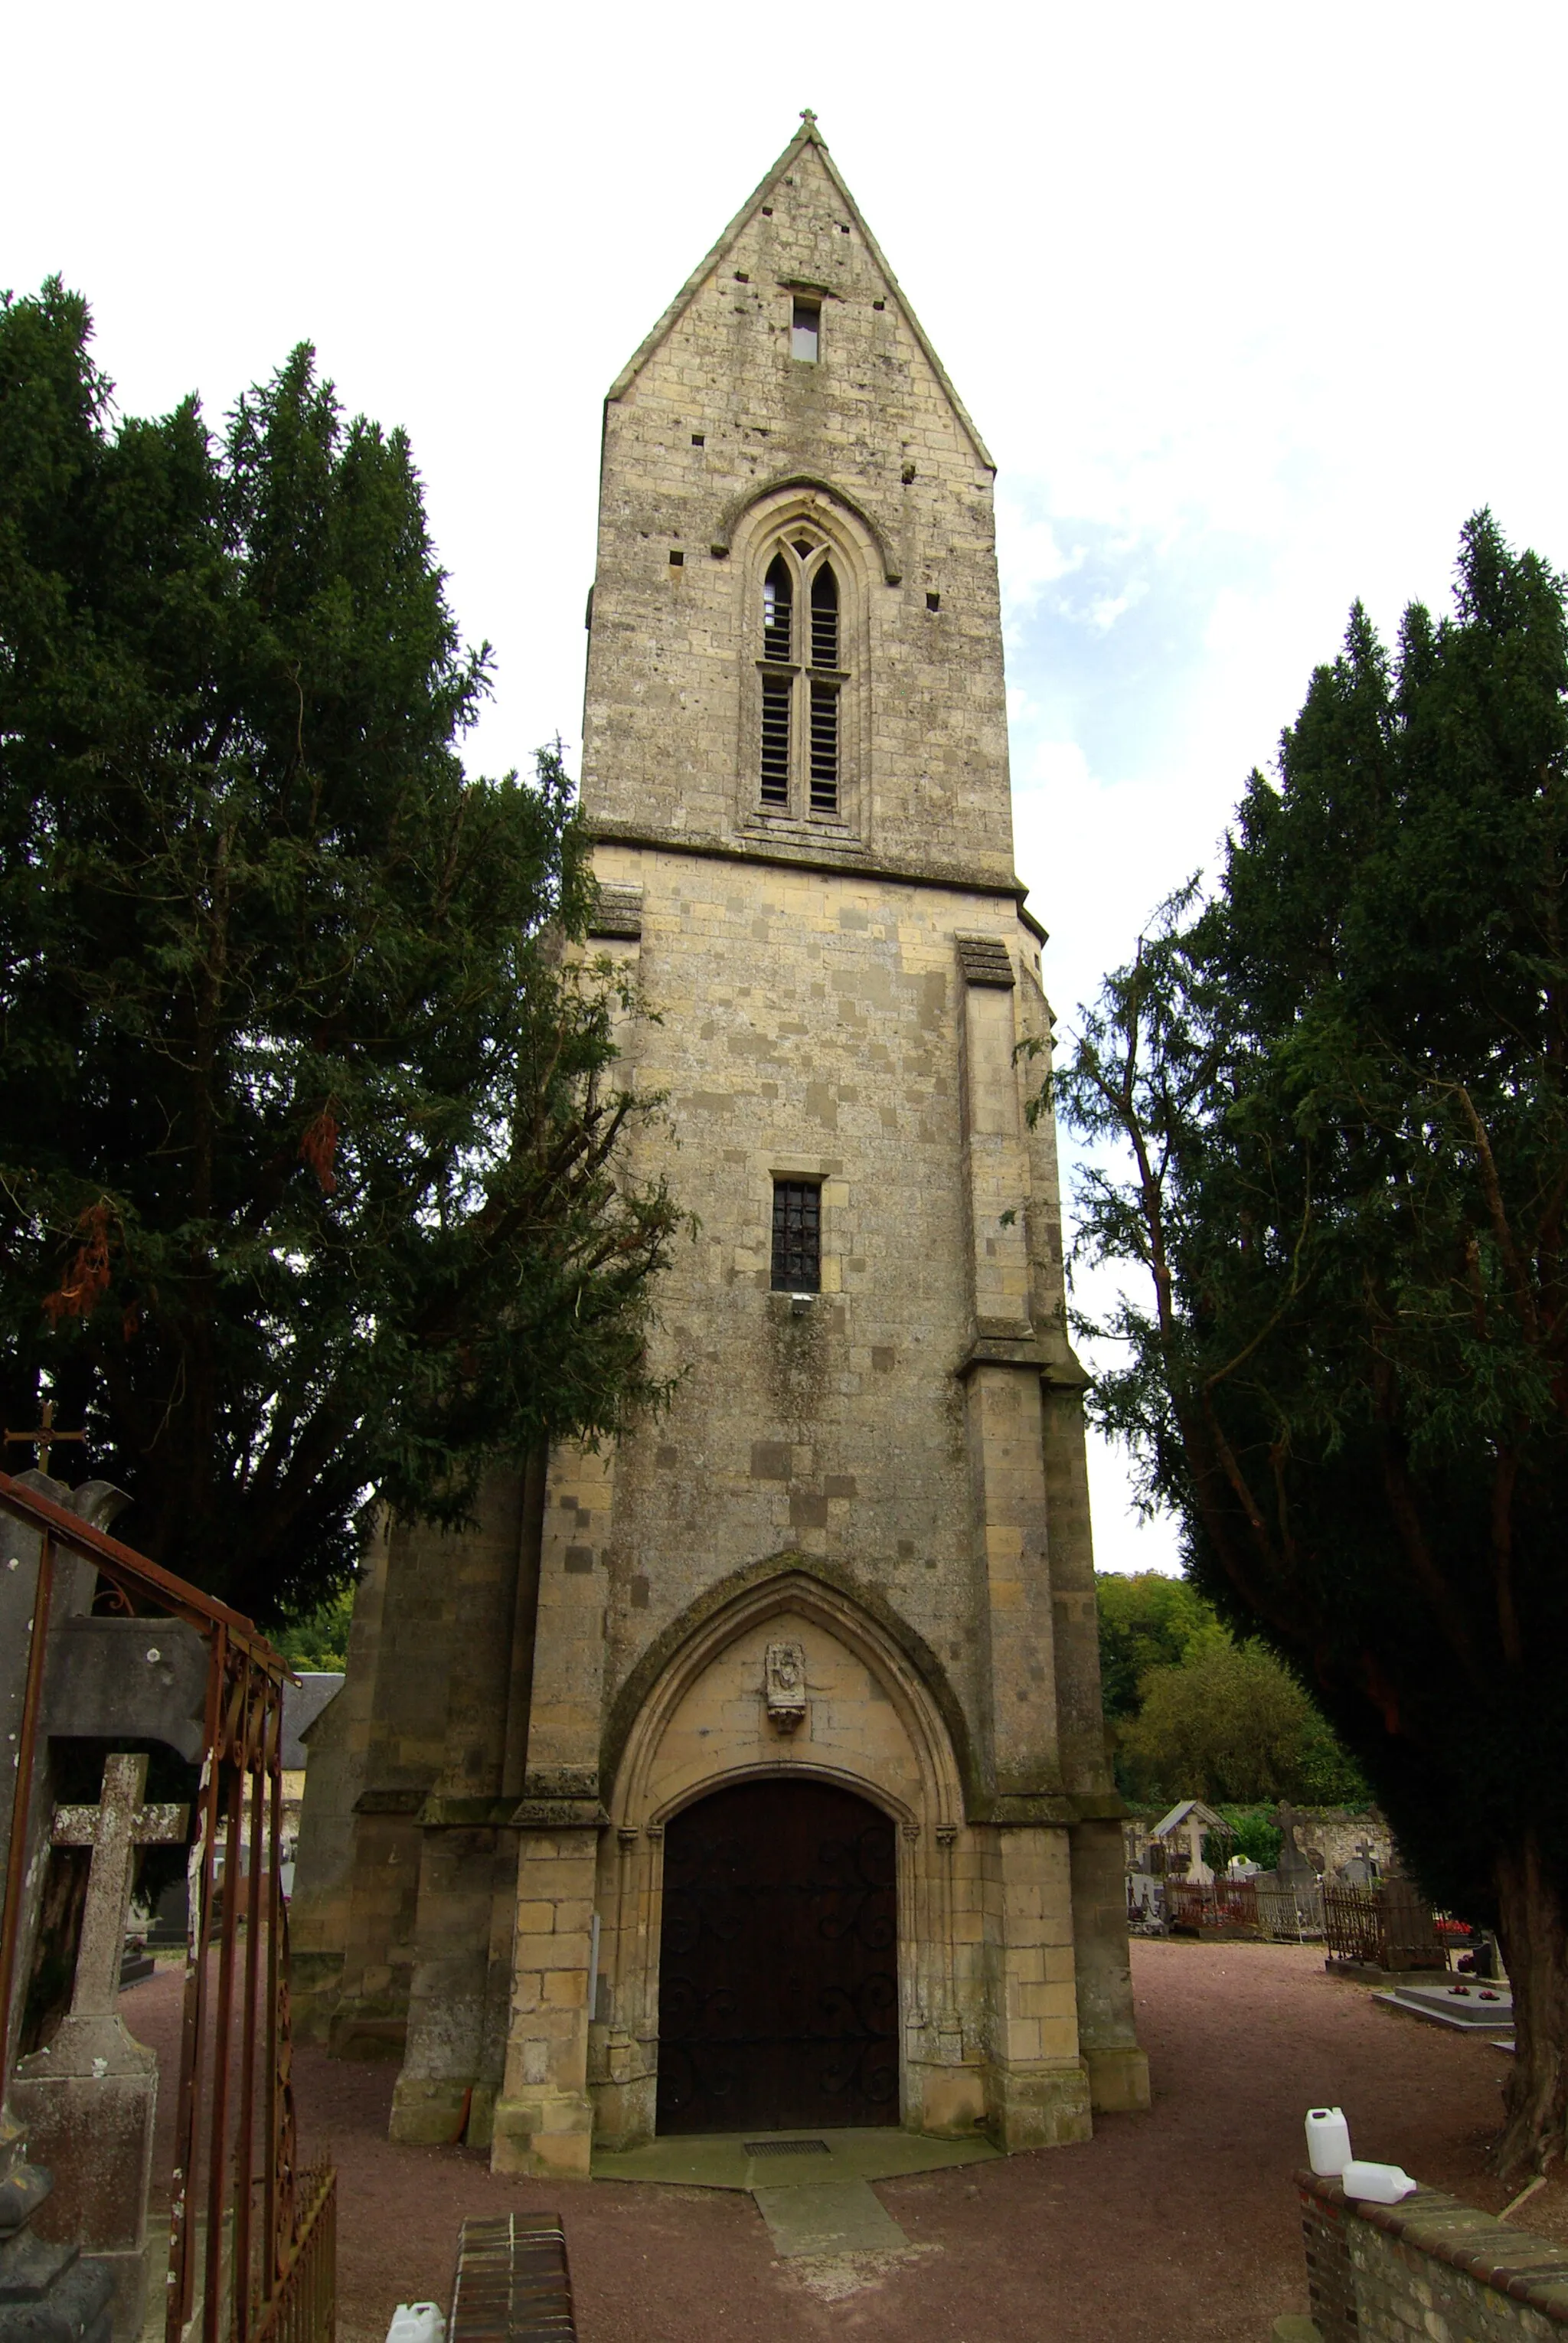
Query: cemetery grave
[100, 1647]
[1189, 2206]
[1189, 2215]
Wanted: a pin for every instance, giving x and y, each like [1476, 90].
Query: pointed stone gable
[803, 221]
[720, 430]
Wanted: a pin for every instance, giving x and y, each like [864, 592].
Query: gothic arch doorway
[778, 1990]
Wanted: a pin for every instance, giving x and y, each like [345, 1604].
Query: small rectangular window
[797, 1236]
[806, 330]
[776, 690]
[824, 747]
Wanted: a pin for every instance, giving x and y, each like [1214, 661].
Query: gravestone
[1293, 1866]
[168, 1923]
[1411, 1935]
[104, 1678]
[48, 2293]
[88, 2100]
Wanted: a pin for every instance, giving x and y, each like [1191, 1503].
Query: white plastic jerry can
[416, 2322]
[1328, 2140]
[1378, 2184]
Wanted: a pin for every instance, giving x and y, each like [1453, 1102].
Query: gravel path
[1181, 2222]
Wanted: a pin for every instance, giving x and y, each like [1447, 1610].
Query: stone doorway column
[1037, 2084]
[543, 2118]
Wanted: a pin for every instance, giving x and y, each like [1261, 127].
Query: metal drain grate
[788, 2147]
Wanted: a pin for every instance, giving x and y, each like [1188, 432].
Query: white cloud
[1029, 560]
[1057, 767]
[1106, 608]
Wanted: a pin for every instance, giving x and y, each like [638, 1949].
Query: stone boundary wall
[1430, 2266]
[1333, 1833]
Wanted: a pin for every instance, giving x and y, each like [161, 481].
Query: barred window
[778, 598]
[797, 1236]
[776, 693]
[824, 747]
[825, 617]
[800, 767]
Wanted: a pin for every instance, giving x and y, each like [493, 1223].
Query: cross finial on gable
[807, 117]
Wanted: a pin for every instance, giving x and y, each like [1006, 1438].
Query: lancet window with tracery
[804, 678]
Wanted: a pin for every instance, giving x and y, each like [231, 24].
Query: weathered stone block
[89, 2104]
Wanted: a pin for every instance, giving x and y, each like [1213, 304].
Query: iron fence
[246, 2232]
[1225, 1903]
[1388, 1927]
[303, 2309]
[1291, 1910]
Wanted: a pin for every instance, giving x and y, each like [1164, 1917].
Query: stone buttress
[795, 768]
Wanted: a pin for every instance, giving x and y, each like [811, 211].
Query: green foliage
[1146, 1620]
[1227, 1723]
[319, 1641]
[311, 1168]
[1340, 1092]
[1327, 1772]
[1254, 1835]
[1194, 1715]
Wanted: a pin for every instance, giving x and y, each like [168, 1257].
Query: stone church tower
[752, 1774]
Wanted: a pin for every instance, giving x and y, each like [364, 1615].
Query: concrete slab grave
[1471, 2008]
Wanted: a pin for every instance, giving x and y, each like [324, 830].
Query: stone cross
[113, 1831]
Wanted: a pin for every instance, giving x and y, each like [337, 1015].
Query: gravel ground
[1181, 2223]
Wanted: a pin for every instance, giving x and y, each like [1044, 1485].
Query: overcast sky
[1253, 306]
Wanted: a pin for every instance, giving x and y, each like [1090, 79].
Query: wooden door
[778, 1989]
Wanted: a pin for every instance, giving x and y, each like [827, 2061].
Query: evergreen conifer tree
[312, 1156]
[1341, 1089]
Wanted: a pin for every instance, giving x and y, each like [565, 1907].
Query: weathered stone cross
[113, 1831]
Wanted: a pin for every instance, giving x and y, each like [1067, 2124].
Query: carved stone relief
[784, 1685]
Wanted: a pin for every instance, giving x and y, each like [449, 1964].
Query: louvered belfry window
[802, 681]
[797, 1236]
[777, 691]
[778, 602]
[824, 747]
[825, 617]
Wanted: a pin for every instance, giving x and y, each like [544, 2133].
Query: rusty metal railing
[244, 2231]
[303, 2308]
[1354, 1925]
[1388, 1927]
[1224, 1904]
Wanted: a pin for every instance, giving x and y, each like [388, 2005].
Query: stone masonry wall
[1430, 2266]
[711, 412]
[810, 1024]
[836, 996]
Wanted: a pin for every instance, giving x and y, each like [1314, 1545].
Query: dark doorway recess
[778, 1984]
